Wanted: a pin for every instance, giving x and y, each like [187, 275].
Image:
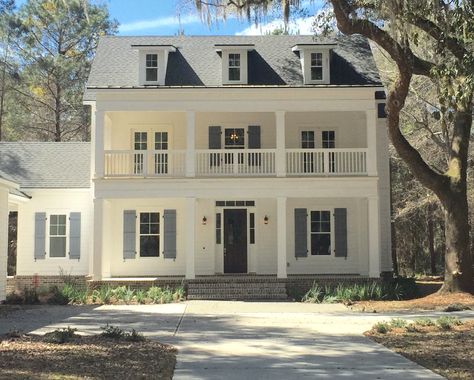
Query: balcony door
[150, 152]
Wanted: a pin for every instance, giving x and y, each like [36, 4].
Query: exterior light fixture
[265, 219]
[204, 220]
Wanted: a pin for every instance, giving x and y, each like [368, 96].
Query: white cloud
[302, 25]
[158, 23]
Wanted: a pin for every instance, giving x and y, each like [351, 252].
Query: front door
[235, 241]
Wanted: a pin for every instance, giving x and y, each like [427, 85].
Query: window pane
[144, 228]
[316, 73]
[234, 60]
[320, 244]
[151, 75]
[151, 60]
[316, 59]
[57, 247]
[252, 220]
[144, 217]
[154, 217]
[234, 73]
[252, 236]
[154, 228]
[149, 246]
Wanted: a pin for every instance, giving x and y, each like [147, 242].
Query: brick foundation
[19, 283]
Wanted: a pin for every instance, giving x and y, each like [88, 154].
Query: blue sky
[160, 17]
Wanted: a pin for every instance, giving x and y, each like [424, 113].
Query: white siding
[60, 202]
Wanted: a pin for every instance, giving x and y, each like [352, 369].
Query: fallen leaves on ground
[449, 353]
[436, 301]
[91, 357]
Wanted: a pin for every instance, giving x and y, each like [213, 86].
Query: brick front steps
[237, 288]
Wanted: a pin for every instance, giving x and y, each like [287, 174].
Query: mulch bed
[91, 357]
[449, 353]
[434, 301]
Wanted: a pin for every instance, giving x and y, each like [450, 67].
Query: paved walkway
[245, 340]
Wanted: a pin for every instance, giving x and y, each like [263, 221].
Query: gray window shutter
[254, 137]
[340, 232]
[129, 234]
[169, 231]
[214, 137]
[75, 235]
[301, 232]
[40, 236]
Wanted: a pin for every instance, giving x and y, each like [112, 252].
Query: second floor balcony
[235, 162]
[278, 144]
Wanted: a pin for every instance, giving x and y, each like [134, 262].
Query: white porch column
[190, 233]
[281, 239]
[107, 234]
[98, 239]
[280, 159]
[98, 143]
[371, 121]
[374, 236]
[3, 240]
[190, 144]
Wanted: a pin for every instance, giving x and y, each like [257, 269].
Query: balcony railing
[316, 162]
[141, 163]
[235, 162]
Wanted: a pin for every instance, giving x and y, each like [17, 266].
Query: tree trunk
[458, 273]
[431, 247]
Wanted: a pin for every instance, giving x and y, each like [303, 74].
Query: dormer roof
[272, 60]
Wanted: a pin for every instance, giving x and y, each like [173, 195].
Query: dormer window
[316, 66]
[315, 63]
[152, 63]
[234, 67]
[234, 62]
[151, 67]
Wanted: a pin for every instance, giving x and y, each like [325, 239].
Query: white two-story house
[263, 155]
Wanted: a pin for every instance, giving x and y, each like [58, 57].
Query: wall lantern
[265, 219]
[204, 220]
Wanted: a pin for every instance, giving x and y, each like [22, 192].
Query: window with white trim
[234, 138]
[57, 235]
[140, 143]
[328, 139]
[149, 234]
[316, 66]
[320, 233]
[151, 67]
[234, 67]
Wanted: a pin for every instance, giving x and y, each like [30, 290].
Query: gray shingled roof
[196, 62]
[46, 164]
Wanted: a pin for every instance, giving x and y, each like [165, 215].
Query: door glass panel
[140, 143]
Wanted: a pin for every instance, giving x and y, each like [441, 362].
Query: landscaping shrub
[30, 296]
[411, 327]
[398, 323]
[102, 295]
[159, 295]
[114, 332]
[57, 297]
[456, 307]
[140, 296]
[396, 289]
[424, 322]
[447, 323]
[382, 327]
[60, 336]
[14, 298]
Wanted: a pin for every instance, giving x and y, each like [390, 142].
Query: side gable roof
[46, 164]
[197, 63]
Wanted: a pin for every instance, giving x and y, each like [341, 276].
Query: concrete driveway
[245, 340]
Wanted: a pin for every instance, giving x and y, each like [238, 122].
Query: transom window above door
[140, 141]
[307, 140]
[234, 138]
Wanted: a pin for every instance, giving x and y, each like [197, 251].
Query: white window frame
[322, 139]
[239, 67]
[243, 66]
[316, 66]
[160, 211]
[246, 140]
[157, 67]
[314, 138]
[309, 233]
[306, 63]
[48, 234]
